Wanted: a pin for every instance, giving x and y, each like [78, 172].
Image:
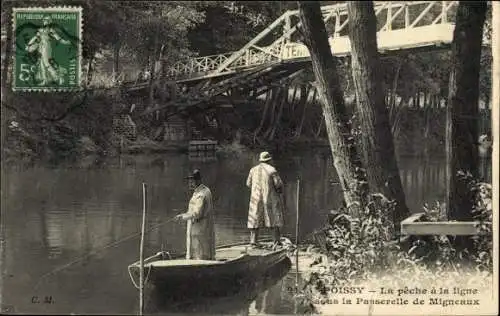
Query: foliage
[435, 212]
[360, 252]
[440, 251]
[356, 245]
[101, 15]
[50, 126]
[229, 25]
[144, 29]
[163, 30]
[483, 213]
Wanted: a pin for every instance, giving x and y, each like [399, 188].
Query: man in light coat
[200, 235]
[266, 199]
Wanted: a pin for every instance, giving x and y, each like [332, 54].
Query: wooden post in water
[297, 239]
[141, 252]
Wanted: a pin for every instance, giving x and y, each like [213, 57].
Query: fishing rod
[113, 244]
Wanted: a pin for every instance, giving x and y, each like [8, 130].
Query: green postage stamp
[48, 46]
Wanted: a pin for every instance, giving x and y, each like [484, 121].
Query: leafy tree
[162, 29]
[345, 155]
[229, 25]
[378, 147]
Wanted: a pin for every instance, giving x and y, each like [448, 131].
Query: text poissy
[347, 290]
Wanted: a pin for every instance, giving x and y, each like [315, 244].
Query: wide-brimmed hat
[265, 156]
[195, 175]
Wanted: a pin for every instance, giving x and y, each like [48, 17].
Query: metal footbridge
[401, 25]
[277, 53]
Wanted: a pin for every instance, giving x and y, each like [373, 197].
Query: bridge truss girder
[401, 25]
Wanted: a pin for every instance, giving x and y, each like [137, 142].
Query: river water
[55, 216]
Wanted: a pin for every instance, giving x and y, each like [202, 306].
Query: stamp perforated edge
[62, 8]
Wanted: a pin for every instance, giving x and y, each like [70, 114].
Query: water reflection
[55, 216]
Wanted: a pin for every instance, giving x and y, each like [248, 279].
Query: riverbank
[24, 146]
[62, 141]
[403, 286]
[397, 290]
[354, 264]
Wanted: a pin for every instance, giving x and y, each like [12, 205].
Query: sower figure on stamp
[266, 199]
[200, 235]
[47, 72]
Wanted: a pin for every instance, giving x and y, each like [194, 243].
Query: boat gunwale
[214, 263]
[225, 262]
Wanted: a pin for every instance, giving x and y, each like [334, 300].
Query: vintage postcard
[249, 158]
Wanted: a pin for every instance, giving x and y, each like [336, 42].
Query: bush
[355, 246]
[360, 250]
[483, 213]
[440, 250]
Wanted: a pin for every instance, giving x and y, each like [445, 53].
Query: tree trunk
[276, 124]
[320, 128]
[277, 97]
[298, 131]
[269, 99]
[311, 120]
[378, 146]
[395, 82]
[462, 111]
[152, 79]
[392, 103]
[116, 61]
[427, 120]
[290, 114]
[272, 109]
[345, 157]
[304, 91]
[292, 104]
[90, 69]
[400, 108]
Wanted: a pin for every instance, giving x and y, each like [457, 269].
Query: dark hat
[196, 175]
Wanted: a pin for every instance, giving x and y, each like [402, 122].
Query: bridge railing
[409, 23]
[201, 65]
[197, 65]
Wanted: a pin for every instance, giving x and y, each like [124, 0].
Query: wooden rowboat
[233, 268]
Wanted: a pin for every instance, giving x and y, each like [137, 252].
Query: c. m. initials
[44, 300]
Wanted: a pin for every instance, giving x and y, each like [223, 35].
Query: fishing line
[113, 244]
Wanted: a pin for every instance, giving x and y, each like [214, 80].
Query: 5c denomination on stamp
[48, 46]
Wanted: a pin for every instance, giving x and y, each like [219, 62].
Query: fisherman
[266, 199]
[200, 236]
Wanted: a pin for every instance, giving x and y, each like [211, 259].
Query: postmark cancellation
[47, 49]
